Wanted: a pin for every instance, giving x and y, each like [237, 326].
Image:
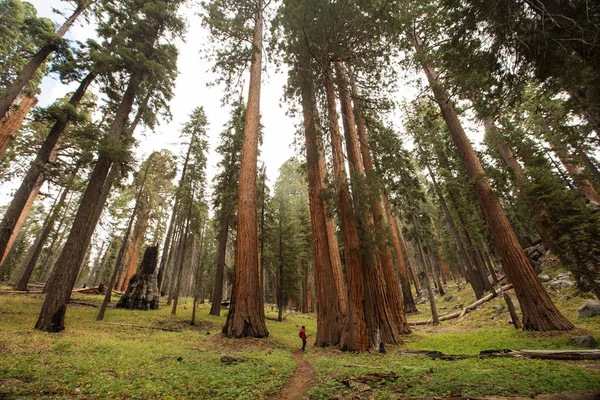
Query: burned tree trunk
[142, 292]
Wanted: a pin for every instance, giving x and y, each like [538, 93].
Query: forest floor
[127, 357]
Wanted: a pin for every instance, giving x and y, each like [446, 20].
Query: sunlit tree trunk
[247, 314]
[12, 121]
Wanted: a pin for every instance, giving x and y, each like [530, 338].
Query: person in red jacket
[302, 336]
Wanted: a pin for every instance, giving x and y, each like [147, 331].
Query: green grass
[100, 360]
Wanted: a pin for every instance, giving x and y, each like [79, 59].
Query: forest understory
[119, 358]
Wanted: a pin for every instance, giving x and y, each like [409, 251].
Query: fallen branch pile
[460, 314]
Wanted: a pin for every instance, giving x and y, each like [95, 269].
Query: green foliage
[21, 34]
[289, 237]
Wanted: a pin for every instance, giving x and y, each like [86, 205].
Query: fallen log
[507, 353]
[465, 310]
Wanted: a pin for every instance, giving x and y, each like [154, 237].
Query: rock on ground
[591, 308]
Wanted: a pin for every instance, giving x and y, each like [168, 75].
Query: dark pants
[303, 344]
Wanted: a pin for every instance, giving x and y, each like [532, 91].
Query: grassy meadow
[105, 360]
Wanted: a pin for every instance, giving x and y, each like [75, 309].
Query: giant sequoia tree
[231, 21]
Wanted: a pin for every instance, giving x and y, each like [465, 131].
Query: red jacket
[302, 334]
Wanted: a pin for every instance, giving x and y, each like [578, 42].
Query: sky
[191, 91]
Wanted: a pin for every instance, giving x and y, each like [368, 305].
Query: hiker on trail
[302, 336]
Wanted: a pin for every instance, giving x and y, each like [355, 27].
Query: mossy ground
[102, 360]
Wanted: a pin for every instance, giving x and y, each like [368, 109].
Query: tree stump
[142, 292]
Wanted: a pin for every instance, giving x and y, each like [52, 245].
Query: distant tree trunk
[98, 278]
[12, 121]
[590, 167]
[29, 265]
[26, 74]
[280, 283]
[329, 287]
[217, 293]
[167, 246]
[395, 306]
[246, 313]
[35, 175]
[431, 297]
[63, 278]
[408, 262]
[355, 336]
[575, 171]
[56, 242]
[304, 265]
[121, 255]
[539, 313]
[409, 302]
[182, 258]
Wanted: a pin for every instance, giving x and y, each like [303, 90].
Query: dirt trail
[299, 383]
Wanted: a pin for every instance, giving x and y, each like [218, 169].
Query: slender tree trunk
[355, 336]
[431, 297]
[102, 269]
[329, 287]
[576, 173]
[246, 313]
[217, 294]
[409, 302]
[29, 266]
[35, 175]
[167, 246]
[63, 278]
[280, 285]
[56, 242]
[408, 262]
[26, 74]
[539, 313]
[304, 265]
[590, 167]
[183, 257]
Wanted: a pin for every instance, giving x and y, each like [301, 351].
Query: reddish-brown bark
[247, 315]
[12, 121]
[355, 336]
[330, 288]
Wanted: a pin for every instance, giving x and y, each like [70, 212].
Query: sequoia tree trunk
[246, 313]
[329, 287]
[12, 121]
[384, 316]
